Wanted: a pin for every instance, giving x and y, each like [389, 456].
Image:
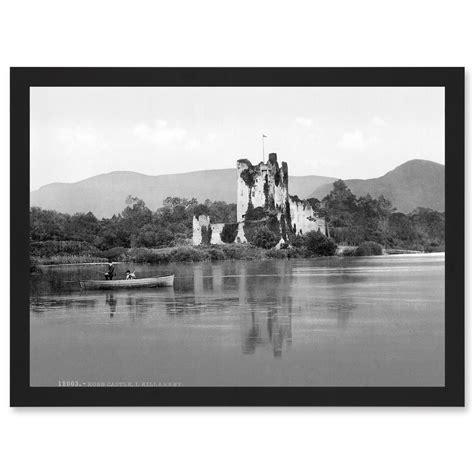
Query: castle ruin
[262, 197]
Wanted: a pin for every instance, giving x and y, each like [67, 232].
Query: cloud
[304, 122]
[160, 133]
[379, 122]
[74, 138]
[356, 141]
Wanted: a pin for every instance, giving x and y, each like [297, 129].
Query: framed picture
[221, 237]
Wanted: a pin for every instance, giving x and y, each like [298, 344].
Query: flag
[264, 136]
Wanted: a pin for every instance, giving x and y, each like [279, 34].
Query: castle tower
[264, 185]
[263, 188]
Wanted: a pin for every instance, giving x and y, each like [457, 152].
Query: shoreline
[189, 254]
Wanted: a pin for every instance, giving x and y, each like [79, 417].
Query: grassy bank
[204, 253]
[188, 253]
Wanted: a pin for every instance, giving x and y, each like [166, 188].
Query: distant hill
[416, 183]
[105, 194]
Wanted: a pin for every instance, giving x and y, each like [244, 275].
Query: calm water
[376, 321]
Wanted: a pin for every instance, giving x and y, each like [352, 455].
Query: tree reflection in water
[44, 304]
[337, 285]
[315, 322]
[264, 295]
[140, 303]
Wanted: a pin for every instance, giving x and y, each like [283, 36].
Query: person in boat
[130, 275]
[109, 275]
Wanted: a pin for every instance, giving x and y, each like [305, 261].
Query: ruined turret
[264, 185]
[263, 198]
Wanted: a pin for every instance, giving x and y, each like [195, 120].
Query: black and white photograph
[237, 237]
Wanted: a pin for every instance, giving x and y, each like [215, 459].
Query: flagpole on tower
[263, 146]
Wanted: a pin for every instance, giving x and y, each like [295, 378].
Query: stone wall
[300, 213]
[241, 239]
[198, 224]
[216, 230]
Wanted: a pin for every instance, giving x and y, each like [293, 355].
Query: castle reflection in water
[252, 301]
[295, 322]
[264, 307]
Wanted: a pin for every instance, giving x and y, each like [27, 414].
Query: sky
[343, 132]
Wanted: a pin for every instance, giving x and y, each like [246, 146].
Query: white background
[243, 33]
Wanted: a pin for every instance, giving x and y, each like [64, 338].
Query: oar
[102, 273]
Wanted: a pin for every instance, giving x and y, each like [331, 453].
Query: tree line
[135, 226]
[351, 221]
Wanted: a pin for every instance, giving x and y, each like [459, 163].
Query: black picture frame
[452, 394]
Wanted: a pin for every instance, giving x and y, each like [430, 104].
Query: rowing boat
[152, 282]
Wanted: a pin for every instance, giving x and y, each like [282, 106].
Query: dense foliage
[229, 232]
[363, 222]
[353, 220]
[136, 226]
[368, 248]
[264, 238]
[318, 244]
[206, 235]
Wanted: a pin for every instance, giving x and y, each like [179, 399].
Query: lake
[372, 321]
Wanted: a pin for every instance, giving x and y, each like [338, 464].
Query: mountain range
[416, 183]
